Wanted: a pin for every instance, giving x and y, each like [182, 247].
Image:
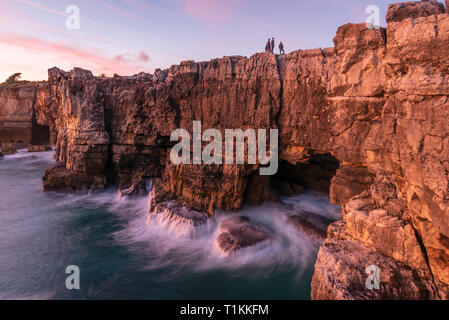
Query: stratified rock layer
[377, 102]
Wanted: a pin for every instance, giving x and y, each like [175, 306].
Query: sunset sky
[128, 36]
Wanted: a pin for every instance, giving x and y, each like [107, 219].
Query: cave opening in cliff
[40, 134]
[315, 175]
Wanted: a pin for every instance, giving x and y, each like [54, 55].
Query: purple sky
[128, 36]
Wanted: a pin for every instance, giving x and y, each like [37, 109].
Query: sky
[129, 36]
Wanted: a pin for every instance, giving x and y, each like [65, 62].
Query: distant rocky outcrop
[373, 108]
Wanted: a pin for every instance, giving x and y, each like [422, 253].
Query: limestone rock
[81, 74]
[170, 210]
[311, 224]
[8, 148]
[39, 148]
[377, 103]
[351, 259]
[238, 232]
[413, 9]
[58, 177]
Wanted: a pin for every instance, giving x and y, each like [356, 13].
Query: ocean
[123, 255]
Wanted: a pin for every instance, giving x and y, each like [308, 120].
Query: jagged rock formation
[377, 102]
[406, 10]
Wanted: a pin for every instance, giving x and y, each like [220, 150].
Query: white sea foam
[178, 248]
[169, 243]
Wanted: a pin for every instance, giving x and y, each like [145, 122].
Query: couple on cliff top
[269, 47]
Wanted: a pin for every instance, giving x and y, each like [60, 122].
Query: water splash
[123, 255]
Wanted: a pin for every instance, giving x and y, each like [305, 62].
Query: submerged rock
[237, 233]
[39, 148]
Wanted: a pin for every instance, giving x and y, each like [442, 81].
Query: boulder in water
[238, 232]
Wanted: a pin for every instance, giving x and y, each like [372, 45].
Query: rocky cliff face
[377, 102]
[18, 125]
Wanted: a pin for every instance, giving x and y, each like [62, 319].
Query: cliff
[377, 103]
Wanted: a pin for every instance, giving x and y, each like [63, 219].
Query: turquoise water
[123, 256]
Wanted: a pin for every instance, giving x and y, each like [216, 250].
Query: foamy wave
[170, 244]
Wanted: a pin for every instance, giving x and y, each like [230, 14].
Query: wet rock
[171, 211]
[8, 148]
[140, 187]
[39, 148]
[311, 224]
[58, 177]
[238, 232]
[413, 9]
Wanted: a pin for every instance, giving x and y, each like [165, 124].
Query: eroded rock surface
[239, 232]
[413, 9]
[39, 148]
[311, 224]
[377, 102]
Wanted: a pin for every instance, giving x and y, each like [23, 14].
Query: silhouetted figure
[268, 46]
[272, 45]
[281, 48]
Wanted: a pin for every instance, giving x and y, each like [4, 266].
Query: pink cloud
[119, 11]
[131, 57]
[211, 11]
[143, 57]
[41, 6]
[129, 64]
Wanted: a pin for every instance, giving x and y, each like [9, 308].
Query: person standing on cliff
[272, 45]
[281, 48]
[268, 46]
